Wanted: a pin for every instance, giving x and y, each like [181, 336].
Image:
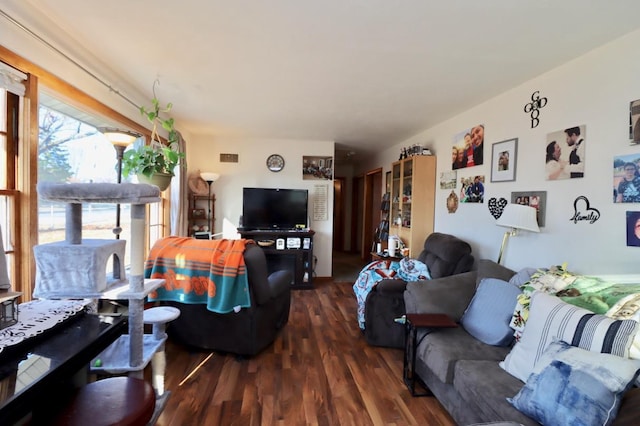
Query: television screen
[271, 208]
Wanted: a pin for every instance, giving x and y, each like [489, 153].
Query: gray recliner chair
[445, 255]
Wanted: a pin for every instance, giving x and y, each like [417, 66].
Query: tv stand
[295, 252]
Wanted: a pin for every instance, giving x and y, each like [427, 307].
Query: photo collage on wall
[467, 152]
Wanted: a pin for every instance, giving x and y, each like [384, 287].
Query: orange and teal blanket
[211, 272]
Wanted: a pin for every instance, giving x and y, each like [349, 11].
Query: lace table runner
[37, 316]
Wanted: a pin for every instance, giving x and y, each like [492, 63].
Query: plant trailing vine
[155, 157]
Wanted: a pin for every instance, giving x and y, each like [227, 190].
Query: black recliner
[248, 331]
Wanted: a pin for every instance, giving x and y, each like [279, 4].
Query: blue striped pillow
[550, 318]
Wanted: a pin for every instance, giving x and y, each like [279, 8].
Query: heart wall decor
[496, 206]
[583, 212]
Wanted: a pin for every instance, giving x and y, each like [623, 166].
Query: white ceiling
[364, 73]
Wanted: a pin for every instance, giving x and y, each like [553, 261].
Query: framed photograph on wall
[634, 122]
[535, 199]
[503, 160]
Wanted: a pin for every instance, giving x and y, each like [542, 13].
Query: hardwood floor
[319, 371]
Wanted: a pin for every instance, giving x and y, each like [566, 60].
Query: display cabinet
[201, 213]
[413, 200]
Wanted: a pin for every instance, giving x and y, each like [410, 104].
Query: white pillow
[550, 317]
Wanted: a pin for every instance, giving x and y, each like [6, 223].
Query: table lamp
[516, 217]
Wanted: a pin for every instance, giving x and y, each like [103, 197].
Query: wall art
[496, 206]
[472, 190]
[503, 160]
[468, 148]
[533, 108]
[535, 199]
[626, 178]
[565, 153]
[317, 168]
[583, 212]
[452, 202]
[634, 122]
[633, 229]
[448, 180]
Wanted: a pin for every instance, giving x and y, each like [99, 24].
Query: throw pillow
[487, 316]
[549, 281]
[574, 386]
[522, 277]
[551, 318]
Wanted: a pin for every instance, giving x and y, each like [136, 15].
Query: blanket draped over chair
[210, 272]
[406, 269]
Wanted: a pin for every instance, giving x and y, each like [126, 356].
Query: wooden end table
[413, 322]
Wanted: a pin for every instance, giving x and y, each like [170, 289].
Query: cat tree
[76, 268]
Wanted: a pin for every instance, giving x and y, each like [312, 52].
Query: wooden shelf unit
[413, 182]
[202, 202]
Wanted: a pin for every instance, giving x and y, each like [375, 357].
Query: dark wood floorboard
[319, 371]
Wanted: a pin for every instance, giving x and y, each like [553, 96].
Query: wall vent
[228, 158]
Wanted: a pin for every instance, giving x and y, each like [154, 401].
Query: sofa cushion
[488, 386]
[570, 385]
[488, 315]
[440, 349]
[551, 318]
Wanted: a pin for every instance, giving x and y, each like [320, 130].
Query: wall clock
[275, 162]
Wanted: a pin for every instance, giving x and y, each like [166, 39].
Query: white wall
[594, 90]
[203, 153]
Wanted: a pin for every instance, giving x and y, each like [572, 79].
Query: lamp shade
[210, 176]
[518, 216]
[119, 137]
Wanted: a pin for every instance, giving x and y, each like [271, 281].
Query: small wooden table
[378, 256]
[412, 323]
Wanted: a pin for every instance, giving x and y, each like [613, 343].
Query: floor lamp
[210, 177]
[120, 139]
[516, 217]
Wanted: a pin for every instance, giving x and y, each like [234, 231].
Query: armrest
[449, 295]
[279, 281]
[389, 286]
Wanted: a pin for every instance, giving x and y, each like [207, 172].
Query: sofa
[444, 255]
[247, 331]
[464, 373]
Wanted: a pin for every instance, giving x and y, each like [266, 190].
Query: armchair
[250, 329]
[444, 255]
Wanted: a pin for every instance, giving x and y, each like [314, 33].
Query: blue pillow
[570, 385]
[488, 315]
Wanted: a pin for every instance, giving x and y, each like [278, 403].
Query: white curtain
[179, 194]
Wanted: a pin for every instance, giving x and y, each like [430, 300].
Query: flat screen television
[274, 209]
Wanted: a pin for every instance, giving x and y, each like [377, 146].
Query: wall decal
[633, 229]
[496, 206]
[533, 108]
[583, 212]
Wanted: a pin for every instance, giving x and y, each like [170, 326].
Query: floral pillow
[550, 281]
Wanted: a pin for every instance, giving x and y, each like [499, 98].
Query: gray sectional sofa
[462, 372]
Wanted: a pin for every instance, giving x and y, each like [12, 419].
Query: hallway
[347, 266]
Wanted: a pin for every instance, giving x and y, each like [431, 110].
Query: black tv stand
[294, 253]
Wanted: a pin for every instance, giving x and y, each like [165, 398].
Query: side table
[379, 256]
[412, 323]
